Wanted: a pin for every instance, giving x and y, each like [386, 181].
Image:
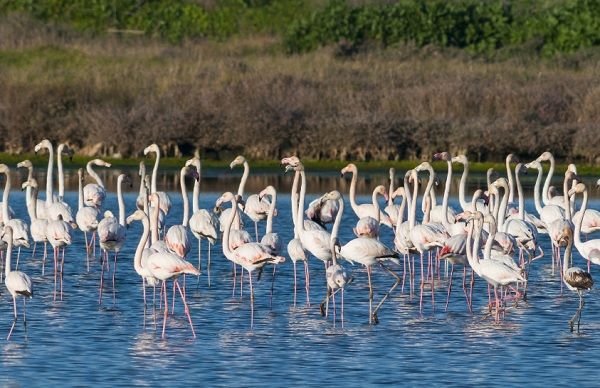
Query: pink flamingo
[177, 235]
[87, 220]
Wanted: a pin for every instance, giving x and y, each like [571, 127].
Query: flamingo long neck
[5, 195]
[546, 189]
[391, 190]
[427, 192]
[8, 255]
[353, 203]
[413, 211]
[401, 211]
[407, 195]
[520, 193]
[28, 189]
[242, 185]
[186, 203]
[567, 256]
[227, 233]
[461, 188]
[155, 171]
[146, 211]
[271, 211]
[503, 205]
[142, 179]
[536, 192]
[196, 195]
[476, 246]
[121, 201]
[566, 202]
[154, 221]
[487, 253]
[300, 211]
[137, 260]
[474, 200]
[80, 191]
[338, 219]
[93, 174]
[511, 185]
[578, 242]
[376, 205]
[496, 209]
[49, 183]
[445, 221]
[61, 174]
[32, 205]
[294, 204]
[471, 250]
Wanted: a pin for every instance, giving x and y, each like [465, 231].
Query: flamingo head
[571, 167]
[382, 191]
[25, 164]
[151, 148]
[351, 167]
[399, 192]
[577, 189]
[66, 150]
[442, 156]
[138, 215]
[500, 182]
[492, 174]
[4, 169]
[225, 197]
[460, 159]
[8, 232]
[545, 157]
[43, 144]
[534, 164]
[125, 178]
[237, 161]
[520, 169]
[512, 158]
[99, 162]
[269, 190]
[292, 161]
[30, 183]
[331, 196]
[80, 174]
[195, 161]
[108, 214]
[424, 166]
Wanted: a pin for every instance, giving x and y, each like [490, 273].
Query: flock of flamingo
[490, 236]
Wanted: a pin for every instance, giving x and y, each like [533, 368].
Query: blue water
[75, 342]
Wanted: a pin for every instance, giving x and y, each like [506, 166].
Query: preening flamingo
[177, 236]
[95, 193]
[369, 226]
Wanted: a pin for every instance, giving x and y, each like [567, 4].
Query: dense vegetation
[363, 84]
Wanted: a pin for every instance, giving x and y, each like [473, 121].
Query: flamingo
[366, 209]
[454, 251]
[167, 265]
[139, 264]
[87, 219]
[494, 272]
[547, 213]
[255, 208]
[391, 209]
[58, 233]
[165, 200]
[369, 226]
[270, 239]
[38, 226]
[575, 278]
[49, 199]
[111, 232]
[16, 282]
[449, 222]
[39, 235]
[337, 279]
[367, 251]
[588, 247]
[591, 219]
[139, 202]
[95, 193]
[462, 159]
[177, 236]
[20, 229]
[250, 256]
[29, 166]
[203, 223]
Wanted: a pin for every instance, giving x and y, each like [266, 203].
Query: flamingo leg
[166, 309]
[251, 300]
[113, 278]
[234, 279]
[464, 285]
[44, 258]
[33, 251]
[256, 230]
[14, 320]
[342, 312]
[449, 286]
[101, 278]
[370, 295]
[87, 251]
[186, 309]
[18, 256]
[497, 304]
[307, 282]
[199, 256]
[173, 307]
[396, 284]
[55, 270]
[208, 265]
[62, 270]
[295, 284]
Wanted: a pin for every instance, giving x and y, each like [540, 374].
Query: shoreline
[333, 166]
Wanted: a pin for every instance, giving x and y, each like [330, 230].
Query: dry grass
[120, 93]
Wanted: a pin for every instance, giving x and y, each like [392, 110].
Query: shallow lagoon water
[75, 342]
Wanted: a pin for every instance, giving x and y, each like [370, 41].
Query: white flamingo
[95, 193]
[111, 233]
[20, 229]
[87, 219]
[177, 235]
[588, 248]
[255, 208]
[250, 256]
[576, 279]
[165, 200]
[369, 226]
[38, 226]
[139, 264]
[366, 209]
[203, 223]
[392, 210]
[16, 282]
